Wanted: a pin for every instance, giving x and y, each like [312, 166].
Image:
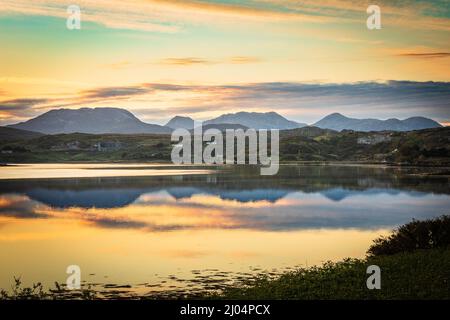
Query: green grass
[423, 274]
[414, 262]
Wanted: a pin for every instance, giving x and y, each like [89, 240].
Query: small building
[374, 139]
[74, 145]
[107, 146]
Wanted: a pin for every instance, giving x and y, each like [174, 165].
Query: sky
[161, 58]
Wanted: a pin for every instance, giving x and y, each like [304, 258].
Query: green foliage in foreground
[37, 292]
[427, 234]
[414, 262]
[423, 274]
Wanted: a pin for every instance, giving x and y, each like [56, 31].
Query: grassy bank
[414, 262]
[423, 274]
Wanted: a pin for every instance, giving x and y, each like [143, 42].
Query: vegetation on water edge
[37, 292]
[422, 274]
[414, 263]
[427, 234]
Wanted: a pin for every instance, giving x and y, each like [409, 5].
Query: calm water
[141, 228]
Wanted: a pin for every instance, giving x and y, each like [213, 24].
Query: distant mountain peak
[89, 120]
[336, 115]
[181, 122]
[256, 120]
[182, 118]
[339, 122]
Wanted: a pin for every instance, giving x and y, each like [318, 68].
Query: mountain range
[338, 122]
[121, 121]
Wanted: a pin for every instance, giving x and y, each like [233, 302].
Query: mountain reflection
[92, 198]
[299, 198]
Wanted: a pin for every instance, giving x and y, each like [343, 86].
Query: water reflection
[300, 198]
[230, 219]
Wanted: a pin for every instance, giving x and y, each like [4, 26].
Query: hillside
[423, 147]
[11, 134]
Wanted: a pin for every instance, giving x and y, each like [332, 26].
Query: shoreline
[281, 163]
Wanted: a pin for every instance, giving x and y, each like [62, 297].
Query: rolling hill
[10, 134]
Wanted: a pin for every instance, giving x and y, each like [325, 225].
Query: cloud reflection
[159, 211]
[300, 198]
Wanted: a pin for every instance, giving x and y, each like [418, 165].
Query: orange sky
[206, 46]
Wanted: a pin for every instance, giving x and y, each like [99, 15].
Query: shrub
[427, 234]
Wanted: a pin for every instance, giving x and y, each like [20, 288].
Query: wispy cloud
[132, 15]
[188, 61]
[165, 16]
[114, 223]
[266, 10]
[184, 61]
[113, 92]
[20, 104]
[170, 87]
[244, 60]
[170, 15]
[426, 55]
